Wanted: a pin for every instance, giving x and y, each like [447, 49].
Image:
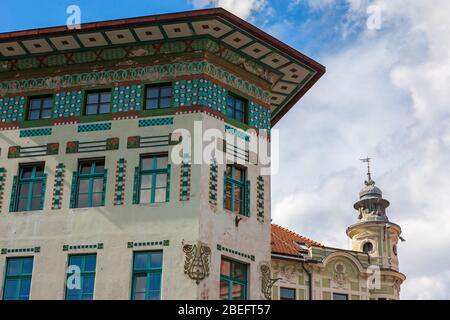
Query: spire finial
[369, 177]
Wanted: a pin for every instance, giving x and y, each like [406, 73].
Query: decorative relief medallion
[340, 275]
[266, 281]
[196, 265]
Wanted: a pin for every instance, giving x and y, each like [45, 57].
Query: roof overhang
[288, 73]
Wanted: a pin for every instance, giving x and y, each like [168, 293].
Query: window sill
[155, 204]
[234, 214]
[27, 212]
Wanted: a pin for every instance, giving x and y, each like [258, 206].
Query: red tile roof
[285, 241]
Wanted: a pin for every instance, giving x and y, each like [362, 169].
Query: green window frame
[90, 184]
[237, 108]
[154, 178]
[98, 102]
[158, 96]
[87, 264]
[235, 189]
[18, 276]
[147, 274]
[40, 107]
[233, 280]
[287, 293]
[29, 190]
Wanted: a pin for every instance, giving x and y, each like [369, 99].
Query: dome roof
[370, 190]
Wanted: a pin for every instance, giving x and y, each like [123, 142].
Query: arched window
[368, 247]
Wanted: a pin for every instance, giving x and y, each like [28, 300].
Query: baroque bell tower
[375, 235]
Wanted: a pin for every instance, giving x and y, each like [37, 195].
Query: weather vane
[369, 180]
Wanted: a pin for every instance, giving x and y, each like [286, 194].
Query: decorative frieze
[196, 264]
[200, 92]
[185, 179]
[127, 98]
[68, 247]
[67, 104]
[238, 253]
[58, 186]
[2, 186]
[108, 144]
[260, 198]
[237, 133]
[21, 250]
[213, 173]
[34, 151]
[35, 132]
[95, 127]
[155, 122]
[162, 243]
[119, 190]
[12, 109]
[259, 116]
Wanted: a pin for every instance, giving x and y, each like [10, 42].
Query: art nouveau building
[93, 204]
[306, 269]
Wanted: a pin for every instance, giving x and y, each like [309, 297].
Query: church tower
[375, 235]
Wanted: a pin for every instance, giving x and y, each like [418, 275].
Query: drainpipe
[309, 279]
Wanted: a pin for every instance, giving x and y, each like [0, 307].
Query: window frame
[154, 172]
[159, 97]
[41, 109]
[98, 103]
[341, 295]
[233, 182]
[31, 181]
[244, 101]
[147, 272]
[230, 279]
[21, 277]
[91, 176]
[83, 274]
[291, 289]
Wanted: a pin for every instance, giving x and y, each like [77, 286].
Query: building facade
[127, 160]
[304, 269]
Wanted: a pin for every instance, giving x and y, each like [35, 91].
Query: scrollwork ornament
[196, 265]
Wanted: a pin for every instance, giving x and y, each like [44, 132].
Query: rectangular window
[153, 178]
[158, 97]
[80, 280]
[30, 188]
[233, 280]
[287, 294]
[40, 108]
[236, 108]
[98, 102]
[147, 271]
[340, 296]
[18, 278]
[235, 189]
[91, 181]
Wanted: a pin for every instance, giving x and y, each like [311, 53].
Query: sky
[386, 95]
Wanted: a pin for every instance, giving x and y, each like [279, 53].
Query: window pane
[166, 91]
[156, 260]
[151, 104]
[39, 172]
[154, 295]
[91, 109]
[161, 180]
[27, 266]
[140, 261]
[27, 172]
[25, 288]
[97, 200]
[239, 106]
[87, 296]
[229, 170]
[33, 115]
[35, 104]
[83, 186]
[160, 195]
[47, 103]
[14, 267]
[37, 189]
[46, 114]
[146, 163]
[146, 180]
[90, 263]
[11, 287]
[88, 284]
[228, 196]
[231, 101]
[22, 205]
[230, 112]
[165, 102]
[224, 289]
[98, 185]
[238, 174]
[92, 98]
[99, 167]
[24, 188]
[238, 292]
[75, 261]
[152, 92]
[105, 97]
[104, 108]
[155, 281]
[35, 204]
[287, 294]
[161, 162]
[239, 116]
[225, 268]
[145, 196]
[85, 168]
[82, 201]
[239, 271]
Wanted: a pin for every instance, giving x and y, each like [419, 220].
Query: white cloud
[242, 8]
[387, 96]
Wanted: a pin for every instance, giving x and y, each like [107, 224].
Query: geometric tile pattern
[164, 243]
[259, 116]
[35, 132]
[119, 191]
[21, 250]
[241, 254]
[127, 98]
[247, 198]
[155, 122]
[260, 198]
[2, 185]
[67, 104]
[58, 186]
[67, 247]
[185, 179]
[213, 172]
[237, 133]
[200, 92]
[12, 109]
[95, 127]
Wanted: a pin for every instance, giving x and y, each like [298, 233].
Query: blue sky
[385, 94]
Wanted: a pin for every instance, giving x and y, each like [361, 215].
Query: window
[91, 182]
[30, 188]
[158, 97]
[236, 108]
[40, 108]
[82, 288]
[233, 280]
[340, 296]
[147, 270]
[98, 102]
[287, 294]
[18, 279]
[154, 179]
[367, 247]
[235, 189]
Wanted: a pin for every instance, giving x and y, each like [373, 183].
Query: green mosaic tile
[259, 116]
[155, 122]
[164, 243]
[12, 109]
[94, 127]
[35, 132]
[127, 98]
[238, 253]
[237, 133]
[201, 92]
[67, 104]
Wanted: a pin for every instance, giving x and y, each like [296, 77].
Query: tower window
[40, 108]
[236, 108]
[158, 97]
[368, 247]
[98, 102]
